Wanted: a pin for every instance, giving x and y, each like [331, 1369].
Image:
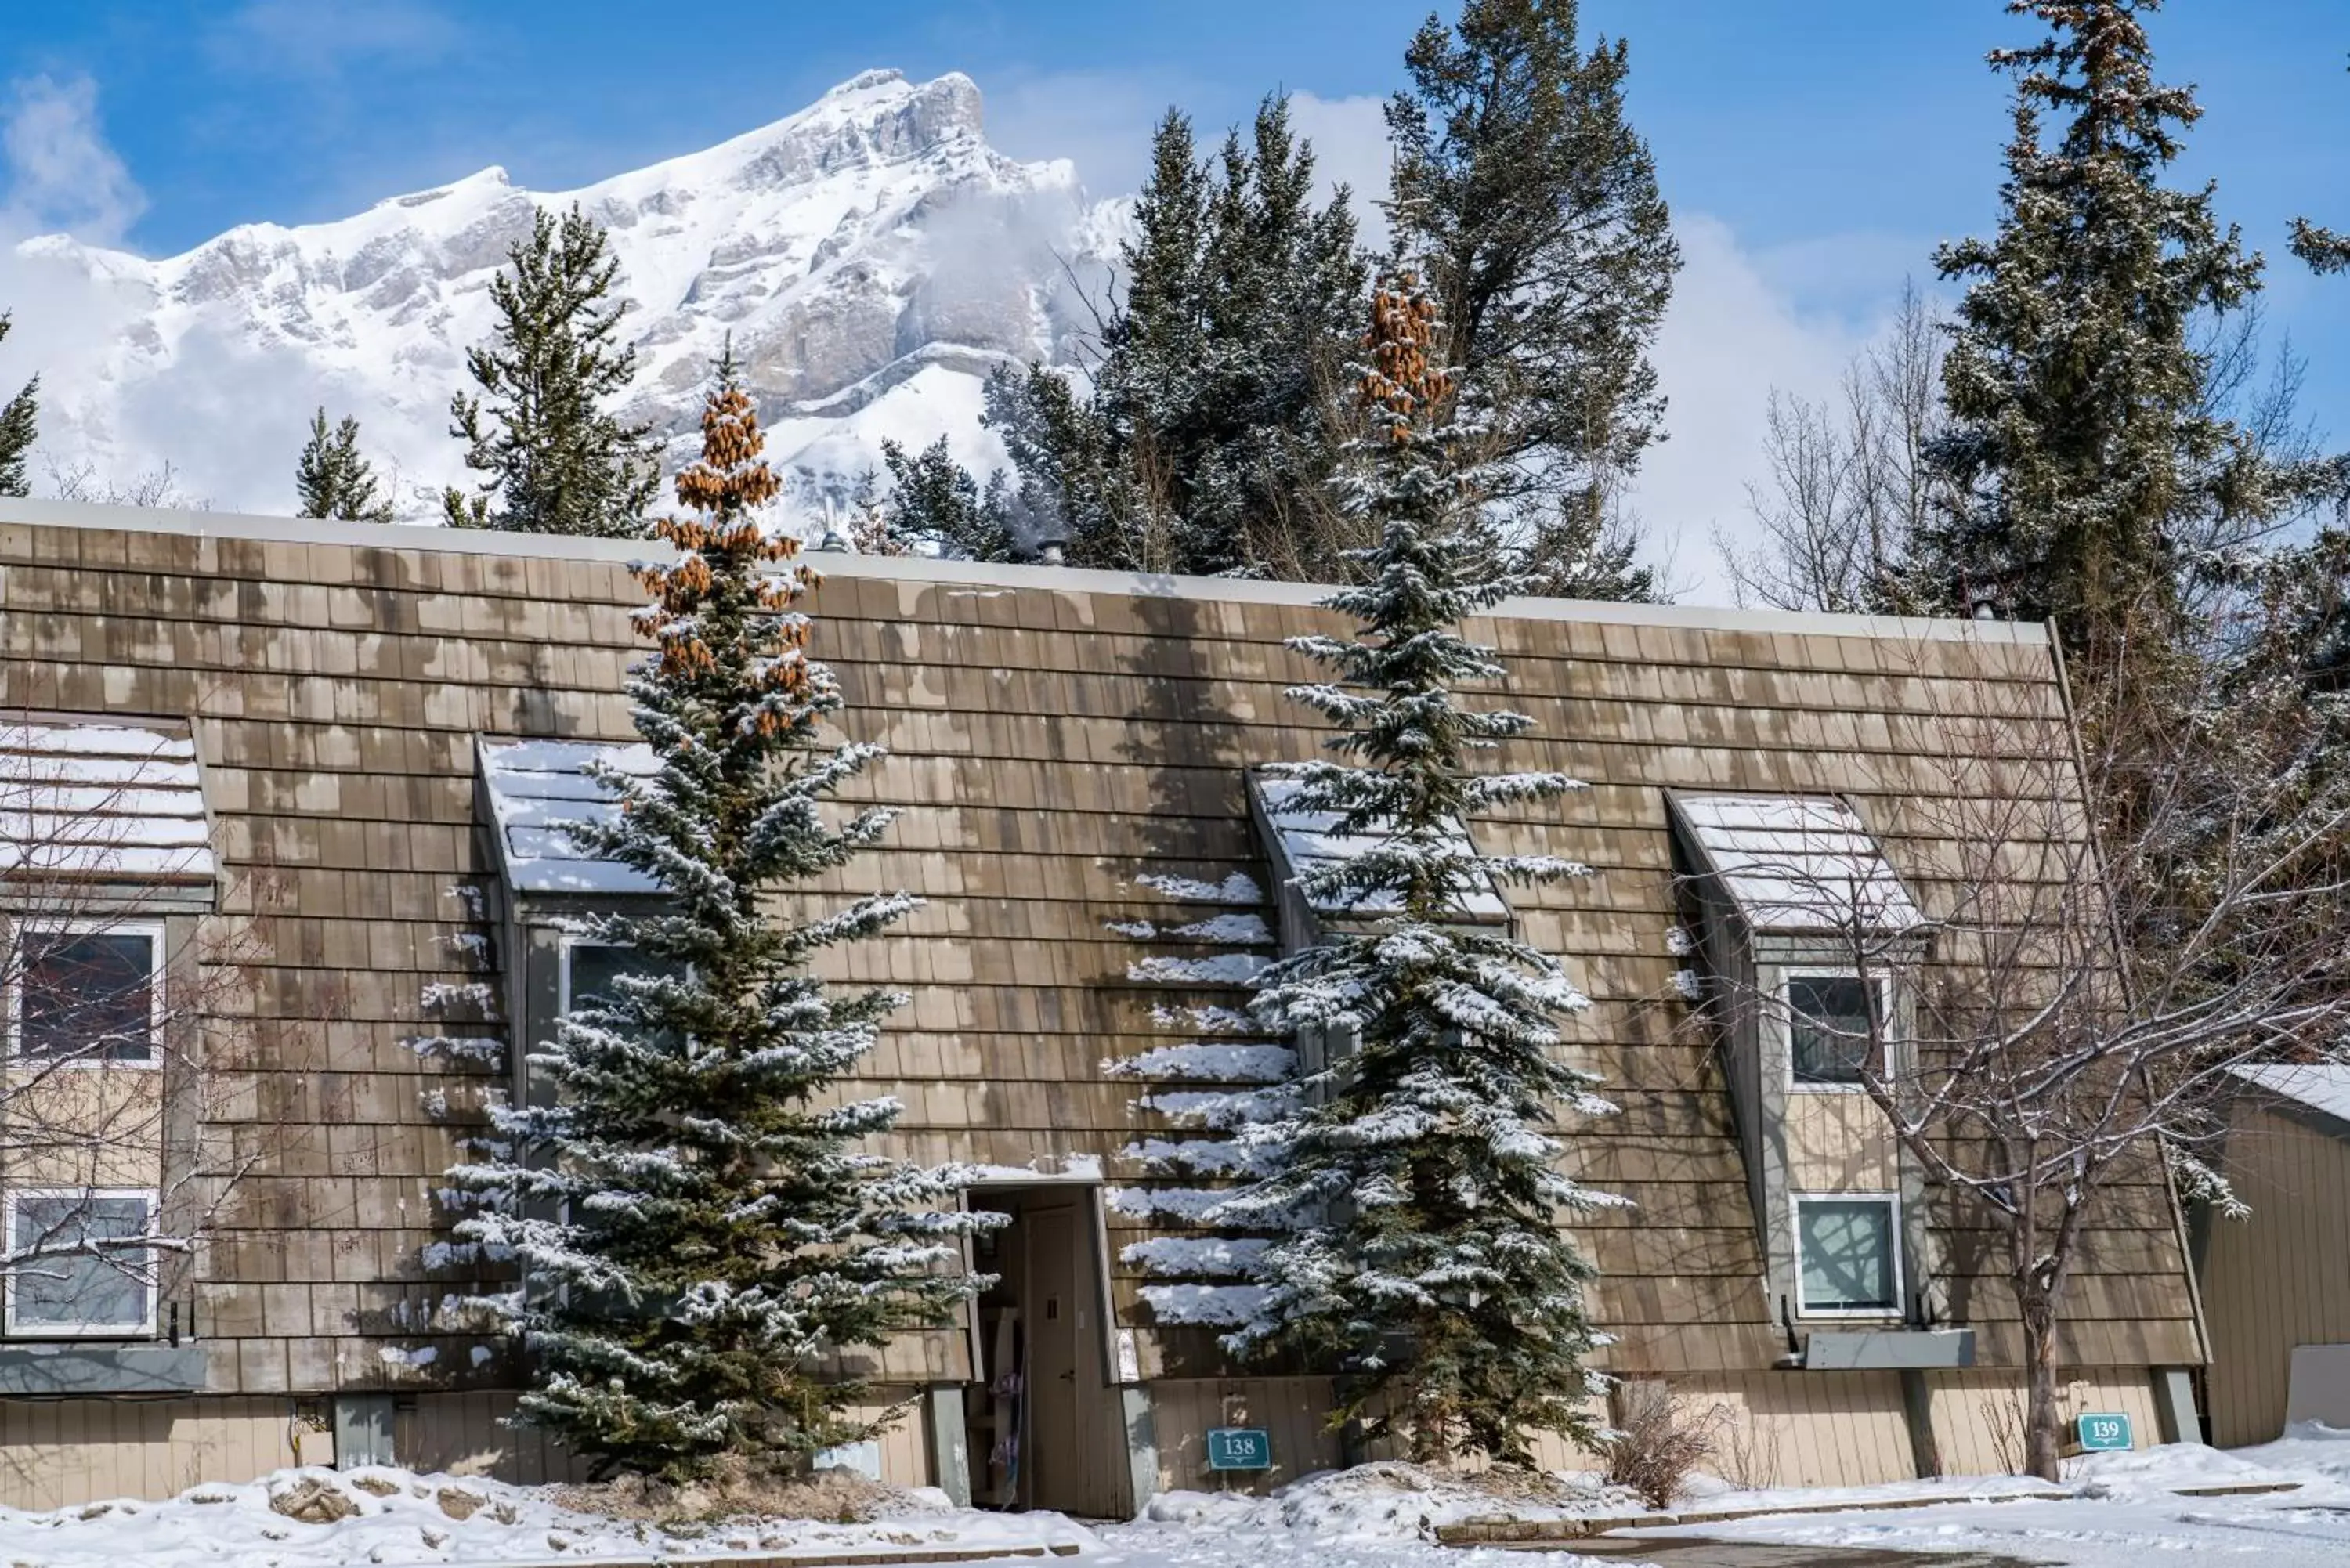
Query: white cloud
[62, 175]
[1731, 335]
[1351, 148]
[1100, 121]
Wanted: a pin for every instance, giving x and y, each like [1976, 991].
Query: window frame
[1891, 1203]
[12, 996]
[145, 1329]
[1784, 1004]
[572, 941]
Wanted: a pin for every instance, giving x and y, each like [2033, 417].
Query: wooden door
[1053, 1465]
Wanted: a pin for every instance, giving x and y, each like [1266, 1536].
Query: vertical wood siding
[2279, 1278]
[56, 1453]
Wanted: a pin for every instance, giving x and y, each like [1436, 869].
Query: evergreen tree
[2087, 462]
[934, 504]
[20, 427]
[331, 479]
[1530, 203]
[695, 1227]
[555, 462]
[1239, 315]
[2326, 249]
[1207, 417]
[1422, 1259]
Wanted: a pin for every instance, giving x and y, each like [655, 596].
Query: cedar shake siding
[1069, 751]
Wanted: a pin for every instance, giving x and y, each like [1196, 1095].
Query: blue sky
[1816, 151]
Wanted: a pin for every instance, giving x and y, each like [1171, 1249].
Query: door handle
[1069, 1376]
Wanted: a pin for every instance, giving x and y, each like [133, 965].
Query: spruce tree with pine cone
[695, 1230]
[1420, 1189]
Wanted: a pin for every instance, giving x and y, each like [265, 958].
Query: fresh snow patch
[1239, 888]
[1207, 1062]
[1224, 969]
[1209, 1306]
[1171, 1202]
[1220, 1257]
[1209, 1020]
[397, 1517]
[2128, 1510]
[1140, 931]
[1243, 929]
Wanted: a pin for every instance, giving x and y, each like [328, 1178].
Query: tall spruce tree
[2087, 462]
[555, 462]
[333, 479]
[1531, 205]
[695, 1228]
[19, 427]
[1423, 1260]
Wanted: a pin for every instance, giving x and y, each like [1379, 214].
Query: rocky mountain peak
[870, 257]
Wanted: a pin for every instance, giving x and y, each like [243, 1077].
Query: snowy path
[2129, 1516]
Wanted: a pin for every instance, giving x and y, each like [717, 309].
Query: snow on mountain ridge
[870, 257]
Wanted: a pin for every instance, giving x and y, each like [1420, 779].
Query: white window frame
[1784, 1005]
[145, 1329]
[12, 1000]
[563, 968]
[1892, 1205]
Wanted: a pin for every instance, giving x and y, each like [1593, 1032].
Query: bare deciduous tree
[2073, 1004]
[1849, 479]
[109, 976]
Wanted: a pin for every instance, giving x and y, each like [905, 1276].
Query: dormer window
[1808, 933]
[1301, 843]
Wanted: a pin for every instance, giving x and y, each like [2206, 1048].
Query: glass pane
[596, 965]
[88, 994]
[77, 1291]
[1828, 1017]
[1847, 1254]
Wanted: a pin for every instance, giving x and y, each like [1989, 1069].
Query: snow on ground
[395, 1518]
[2129, 1512]
[1374, 1516]
[2125, 1512]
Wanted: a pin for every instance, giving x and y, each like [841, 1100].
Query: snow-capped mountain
[870, 255]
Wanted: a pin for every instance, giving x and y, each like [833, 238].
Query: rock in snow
[871, 255]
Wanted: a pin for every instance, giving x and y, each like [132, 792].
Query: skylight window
[101, 799]
[1795, 863]
[537, 791]
[1306, 842]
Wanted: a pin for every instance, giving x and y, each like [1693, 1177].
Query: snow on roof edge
[2320, 1086]
[45, 514]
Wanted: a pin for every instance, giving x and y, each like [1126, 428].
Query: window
[104, 1292]
[1829, 1025]
[591, 968]
[88, 994]
[1849, 1261]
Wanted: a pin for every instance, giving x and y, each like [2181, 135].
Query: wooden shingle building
[330, 906]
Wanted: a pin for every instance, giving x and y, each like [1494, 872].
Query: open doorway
[1045, 1429]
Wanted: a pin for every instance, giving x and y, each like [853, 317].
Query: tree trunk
[2041, 1432]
